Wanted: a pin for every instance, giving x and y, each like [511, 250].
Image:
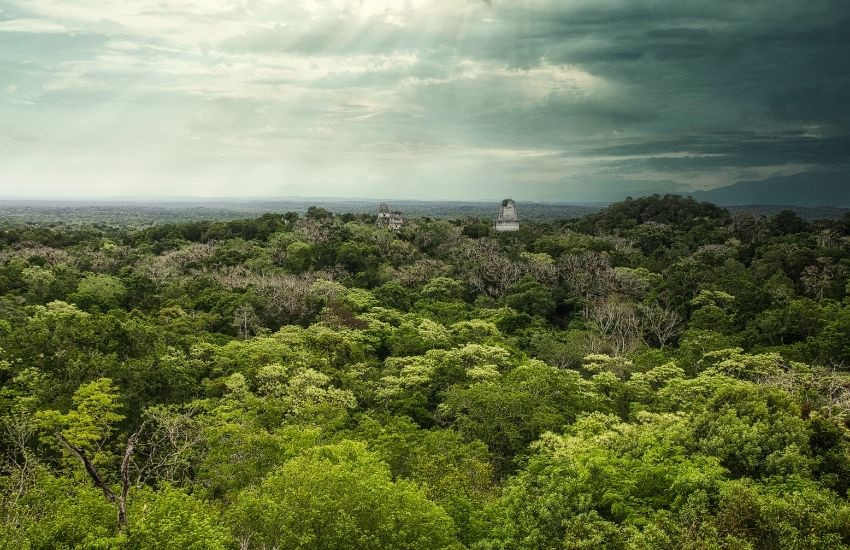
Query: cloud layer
[457, 99]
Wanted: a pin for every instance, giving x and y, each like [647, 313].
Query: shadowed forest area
[660, 374]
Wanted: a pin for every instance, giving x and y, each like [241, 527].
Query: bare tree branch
[92, 471]
[120, 501]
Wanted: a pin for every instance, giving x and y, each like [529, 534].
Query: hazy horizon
[269, 198]
[579, 101]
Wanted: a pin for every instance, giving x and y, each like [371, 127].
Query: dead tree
[490, 272]
[661, 323]
[245, 321]
[819, 277]
[171, 445]
[19, 463]
[617, 323]
[119, 500]
[589, 276]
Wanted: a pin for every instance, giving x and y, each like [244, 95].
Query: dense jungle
[659, 374]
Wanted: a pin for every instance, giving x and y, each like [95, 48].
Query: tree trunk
[120, 501]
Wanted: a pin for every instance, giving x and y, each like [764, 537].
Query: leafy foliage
[660, 374]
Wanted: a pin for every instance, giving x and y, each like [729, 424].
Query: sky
[558, 100]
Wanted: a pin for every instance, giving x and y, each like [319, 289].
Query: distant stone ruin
[507, 220]
[389, 219]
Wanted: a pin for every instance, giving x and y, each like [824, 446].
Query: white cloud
[32, 25]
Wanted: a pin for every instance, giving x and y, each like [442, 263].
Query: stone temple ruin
[389, 219]
[507, 220]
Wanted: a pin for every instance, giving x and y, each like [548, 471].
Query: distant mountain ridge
[804, 189]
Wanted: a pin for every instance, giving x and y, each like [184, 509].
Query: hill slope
[804, 189]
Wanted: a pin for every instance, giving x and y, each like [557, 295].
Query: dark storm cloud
[735, 85]
[739, 150]
[769, 61]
